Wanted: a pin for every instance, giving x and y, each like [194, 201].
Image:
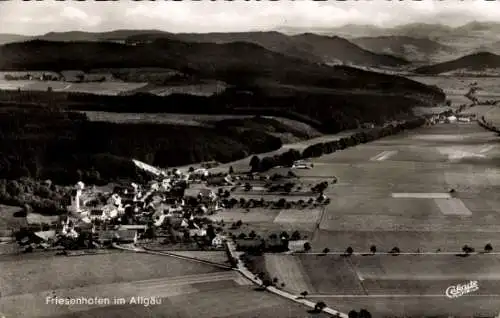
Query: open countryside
[404, 201]
[301, 169]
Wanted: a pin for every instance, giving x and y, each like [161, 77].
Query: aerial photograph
[247, 159]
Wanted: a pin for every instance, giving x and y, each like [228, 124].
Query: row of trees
[278, 204]
[466, 249]
[319, 149]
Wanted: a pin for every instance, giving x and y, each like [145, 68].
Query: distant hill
[118, 35]
[410, 48]
[308, 46]
[9, 38]
[231, 62]
[478, 62]
[419, 30]
[465, 38]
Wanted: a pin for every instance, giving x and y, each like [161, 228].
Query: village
[177, 210]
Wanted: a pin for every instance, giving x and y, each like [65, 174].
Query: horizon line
[278, 29]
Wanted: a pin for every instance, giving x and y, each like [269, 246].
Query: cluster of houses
[131, 212]
[74, 76]
[453, 118]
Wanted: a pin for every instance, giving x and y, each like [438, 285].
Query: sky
[39, 17]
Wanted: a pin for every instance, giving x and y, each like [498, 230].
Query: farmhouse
[197, 232]
[140, 228]
[217, 241]
[126, 236]
[297, 246]
[73, 75]
[105, 237]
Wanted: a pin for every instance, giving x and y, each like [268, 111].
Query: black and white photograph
[250, 159]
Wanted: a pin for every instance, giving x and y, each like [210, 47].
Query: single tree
[242, 236]
[282, 285]
[252, 234]
[353, 314]
[326, 250]
[488, 248]
[320, 305]
[467, 249]
[266, 283]
[304, 294]
[395, 251]
[255, 163]
[307, 246]
[231, 170]
[295, 235]
[275, 280]
[349, 251]
[373, 249]
[363, 313]
[284, 235]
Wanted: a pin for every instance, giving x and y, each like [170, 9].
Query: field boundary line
[369, 254]
[397, 296]
[357, 276]
[148, 251]
[250, 276]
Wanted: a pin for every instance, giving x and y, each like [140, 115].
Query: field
[391, 286]
[287, 269]
[211, 256]
[268, 221]
[424, 164]
[70, 272]
[161, 118]
[219, 301]
[186, 289]
[100, 88]
[396, 192]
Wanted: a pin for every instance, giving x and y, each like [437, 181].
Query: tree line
[289, 157]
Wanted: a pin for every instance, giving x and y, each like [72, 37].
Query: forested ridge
[64, 146]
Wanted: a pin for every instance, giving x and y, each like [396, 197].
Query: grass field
[101, 88]
[28, 275]
[404, 200]
[427, 161]
[395, 286]
[287, 269]
[227, 301]
[160, 118]
[212, 256]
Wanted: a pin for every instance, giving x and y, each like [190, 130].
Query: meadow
[363, 201]
[99, 88]
[44, 272]
[224, 300]
[392, 286]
